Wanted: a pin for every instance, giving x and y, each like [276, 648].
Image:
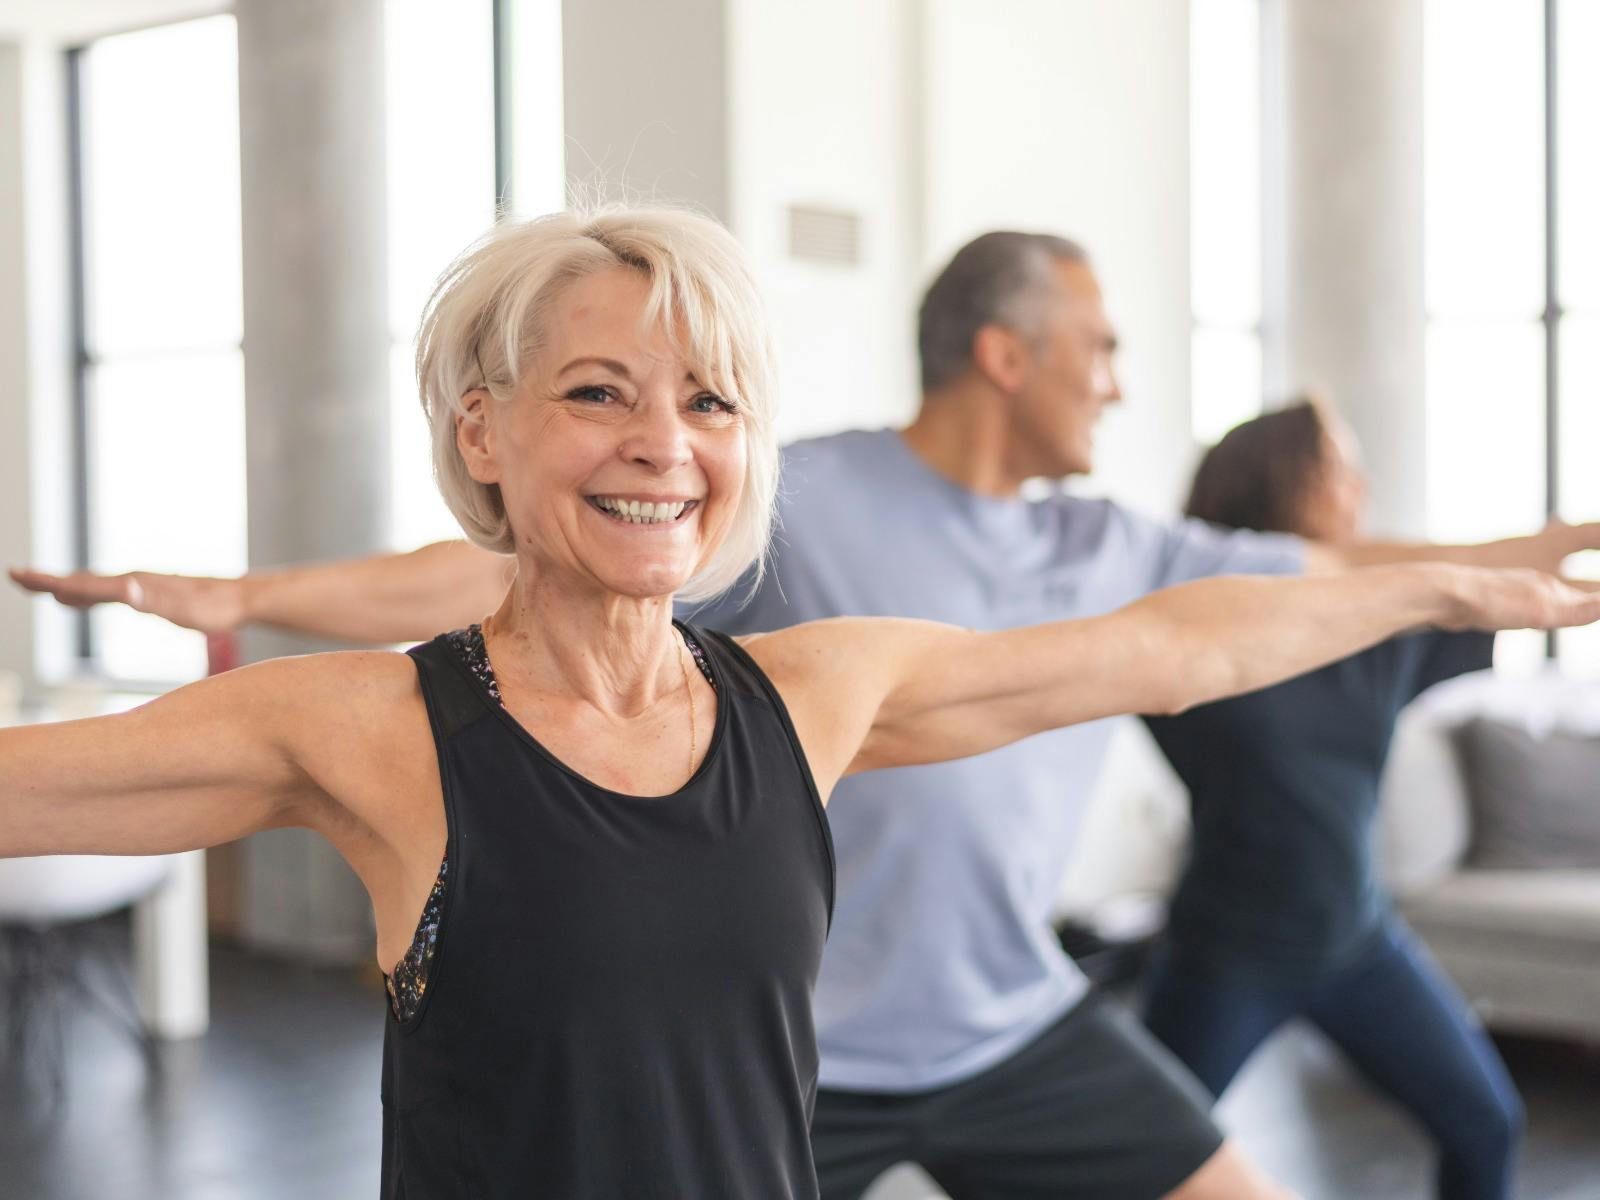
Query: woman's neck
[617, 653]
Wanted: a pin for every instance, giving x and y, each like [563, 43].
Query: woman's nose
[657, 437]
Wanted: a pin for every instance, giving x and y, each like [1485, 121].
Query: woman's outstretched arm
[385, 598]
[1543, 551]
[883, 693]
[262, 747]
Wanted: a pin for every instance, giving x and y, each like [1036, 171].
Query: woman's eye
[594, 394]
[707, 403]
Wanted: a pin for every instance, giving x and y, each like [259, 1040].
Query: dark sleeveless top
[408, 982]
[619, 1004]
[1281, 888]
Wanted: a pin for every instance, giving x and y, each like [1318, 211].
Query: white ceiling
[68, 21]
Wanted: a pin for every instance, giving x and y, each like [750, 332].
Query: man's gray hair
[999, 278]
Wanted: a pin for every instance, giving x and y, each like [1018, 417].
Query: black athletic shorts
[1094, 1108]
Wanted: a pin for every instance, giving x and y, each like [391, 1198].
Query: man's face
[1069, 378]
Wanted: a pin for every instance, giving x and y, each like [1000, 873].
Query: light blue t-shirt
[941, 961]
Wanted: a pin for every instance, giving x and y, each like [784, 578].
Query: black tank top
[620, 1003]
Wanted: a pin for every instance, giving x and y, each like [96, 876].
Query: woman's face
[1337, 492]
[618, 468]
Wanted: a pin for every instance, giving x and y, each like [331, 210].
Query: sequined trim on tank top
[409, 981]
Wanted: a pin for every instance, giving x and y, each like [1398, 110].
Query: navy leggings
[1398, 1019]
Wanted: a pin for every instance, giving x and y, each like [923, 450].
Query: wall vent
[824, 235]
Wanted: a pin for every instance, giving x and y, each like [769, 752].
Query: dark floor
[281, 1100]
[1301, 1113]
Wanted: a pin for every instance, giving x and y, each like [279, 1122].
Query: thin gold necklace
[694, 740]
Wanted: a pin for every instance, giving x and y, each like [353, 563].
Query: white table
[170, 954]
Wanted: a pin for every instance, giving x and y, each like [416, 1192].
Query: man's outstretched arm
[386, 598]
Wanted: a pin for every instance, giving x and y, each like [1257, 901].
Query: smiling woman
[611, 823]
[675, 280]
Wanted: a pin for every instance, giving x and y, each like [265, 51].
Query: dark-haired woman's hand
[1558, 541]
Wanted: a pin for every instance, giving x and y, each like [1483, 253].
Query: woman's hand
[1542, 551]
[194, 602]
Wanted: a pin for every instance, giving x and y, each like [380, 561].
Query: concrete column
[311, 124]
[1345, 229]
[673, 148]
[35, 353]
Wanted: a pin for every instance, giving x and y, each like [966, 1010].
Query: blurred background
[218, 226]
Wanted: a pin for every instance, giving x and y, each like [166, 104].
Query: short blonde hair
[486, 320]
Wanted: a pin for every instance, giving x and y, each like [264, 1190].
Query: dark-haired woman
[1279, 913]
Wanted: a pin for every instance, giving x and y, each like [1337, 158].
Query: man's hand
[1521, 599]
[209, 605]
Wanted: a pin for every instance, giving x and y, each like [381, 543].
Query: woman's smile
[644, 512]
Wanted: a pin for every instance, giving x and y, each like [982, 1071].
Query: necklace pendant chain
[688, 692]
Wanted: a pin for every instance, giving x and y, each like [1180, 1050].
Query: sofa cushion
[1532, 906]
[1424, 824]
[1535, 800]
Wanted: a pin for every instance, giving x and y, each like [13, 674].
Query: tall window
[467, 85]
[160, 370]
[441, 195]
[1224, 214]
[1513, 296]
[530, 118]
[160, 374]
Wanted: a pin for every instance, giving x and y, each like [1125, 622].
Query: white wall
[645, 95]
[823, 94]
[1072, 116]
[936, 120]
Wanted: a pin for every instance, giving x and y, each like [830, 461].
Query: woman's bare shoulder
[309, 682]
[317, 707]
[361, 728]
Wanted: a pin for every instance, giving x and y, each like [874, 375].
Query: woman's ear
[473, 437]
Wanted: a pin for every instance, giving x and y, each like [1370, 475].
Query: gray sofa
[1522, 942]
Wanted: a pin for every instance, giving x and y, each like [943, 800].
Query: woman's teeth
[642, 512]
